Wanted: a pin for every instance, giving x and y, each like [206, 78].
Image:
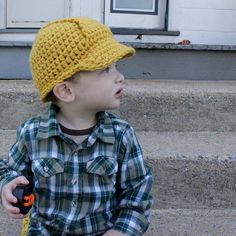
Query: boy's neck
[76, 120]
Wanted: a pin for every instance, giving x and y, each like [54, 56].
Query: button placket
[45, 168]
[74, 181]
[73, 203]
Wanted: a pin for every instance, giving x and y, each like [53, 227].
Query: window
[34, 13]
[140, 6]
[148, 14]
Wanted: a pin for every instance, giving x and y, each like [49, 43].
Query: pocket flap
[102, 165]
[48, 166]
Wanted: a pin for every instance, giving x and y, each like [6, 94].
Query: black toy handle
[25, 197]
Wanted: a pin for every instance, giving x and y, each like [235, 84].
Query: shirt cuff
[131, 223]
[7, 178]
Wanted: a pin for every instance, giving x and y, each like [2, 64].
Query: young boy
[86, 164]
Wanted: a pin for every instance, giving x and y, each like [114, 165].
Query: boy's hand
[113, 232]
[8, 199]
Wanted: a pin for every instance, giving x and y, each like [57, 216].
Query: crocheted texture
[67, 46]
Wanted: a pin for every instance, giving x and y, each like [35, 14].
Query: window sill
[151, 46]
[132, 31]
[123, 31]
[174, 46]
[19, 30]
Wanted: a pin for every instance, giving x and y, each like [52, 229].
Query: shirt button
[74, 181]
[73, 203]
[46, 169]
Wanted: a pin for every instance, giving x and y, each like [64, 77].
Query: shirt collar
[104, 130]
[48, 125]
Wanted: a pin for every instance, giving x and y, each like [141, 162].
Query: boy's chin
[113, 107]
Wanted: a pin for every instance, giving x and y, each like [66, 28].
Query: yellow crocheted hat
[67, 46]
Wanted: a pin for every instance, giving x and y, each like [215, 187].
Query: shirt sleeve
[135, 183]
[17, 163]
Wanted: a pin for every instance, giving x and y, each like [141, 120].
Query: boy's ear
[64, 92]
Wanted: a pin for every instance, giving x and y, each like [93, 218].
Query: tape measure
[25, 226]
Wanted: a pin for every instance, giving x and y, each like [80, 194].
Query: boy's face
[99, 90]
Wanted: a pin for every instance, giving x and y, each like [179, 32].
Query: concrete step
[9, 226]
[187, 106]
[165, 222]
[191, 169]
[192, 222]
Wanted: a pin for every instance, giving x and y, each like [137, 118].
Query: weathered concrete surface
[168, 222]
[181, 105]
[191, 170]
[9, 226]
[193, 222]
[148, 105]
[7, 139]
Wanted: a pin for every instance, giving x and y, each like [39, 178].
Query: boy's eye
[107, 69]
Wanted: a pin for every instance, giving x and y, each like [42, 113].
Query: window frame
[155, 12]
[28, 26]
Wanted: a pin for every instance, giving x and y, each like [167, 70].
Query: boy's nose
[120, 77]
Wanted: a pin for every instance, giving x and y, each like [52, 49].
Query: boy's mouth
[119, 93]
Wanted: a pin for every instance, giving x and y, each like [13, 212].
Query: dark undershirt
[75, 132]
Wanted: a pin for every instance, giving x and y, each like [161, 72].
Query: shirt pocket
[47, 166]
[102, 165]
[101, 172]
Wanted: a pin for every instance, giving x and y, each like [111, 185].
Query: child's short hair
[67, 46]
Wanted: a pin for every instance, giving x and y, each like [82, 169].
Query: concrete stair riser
[194, 184]
[148, 105]
[197, 174]
[168, 222]
[181, 112]
[192, 169]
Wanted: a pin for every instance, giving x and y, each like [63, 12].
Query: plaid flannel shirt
[100, 184]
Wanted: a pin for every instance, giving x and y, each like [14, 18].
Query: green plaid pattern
[100, 184]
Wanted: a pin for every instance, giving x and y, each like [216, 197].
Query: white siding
[200, 21]
[209, 4]
[85, 8]
[205, 21]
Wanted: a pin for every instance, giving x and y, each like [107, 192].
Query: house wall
[204, 21]
[210, 22]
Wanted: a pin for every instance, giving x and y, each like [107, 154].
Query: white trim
[3, 8]
[170, 12]
[134, 9]
[146, 39]
[67, 5]
[88, 8]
